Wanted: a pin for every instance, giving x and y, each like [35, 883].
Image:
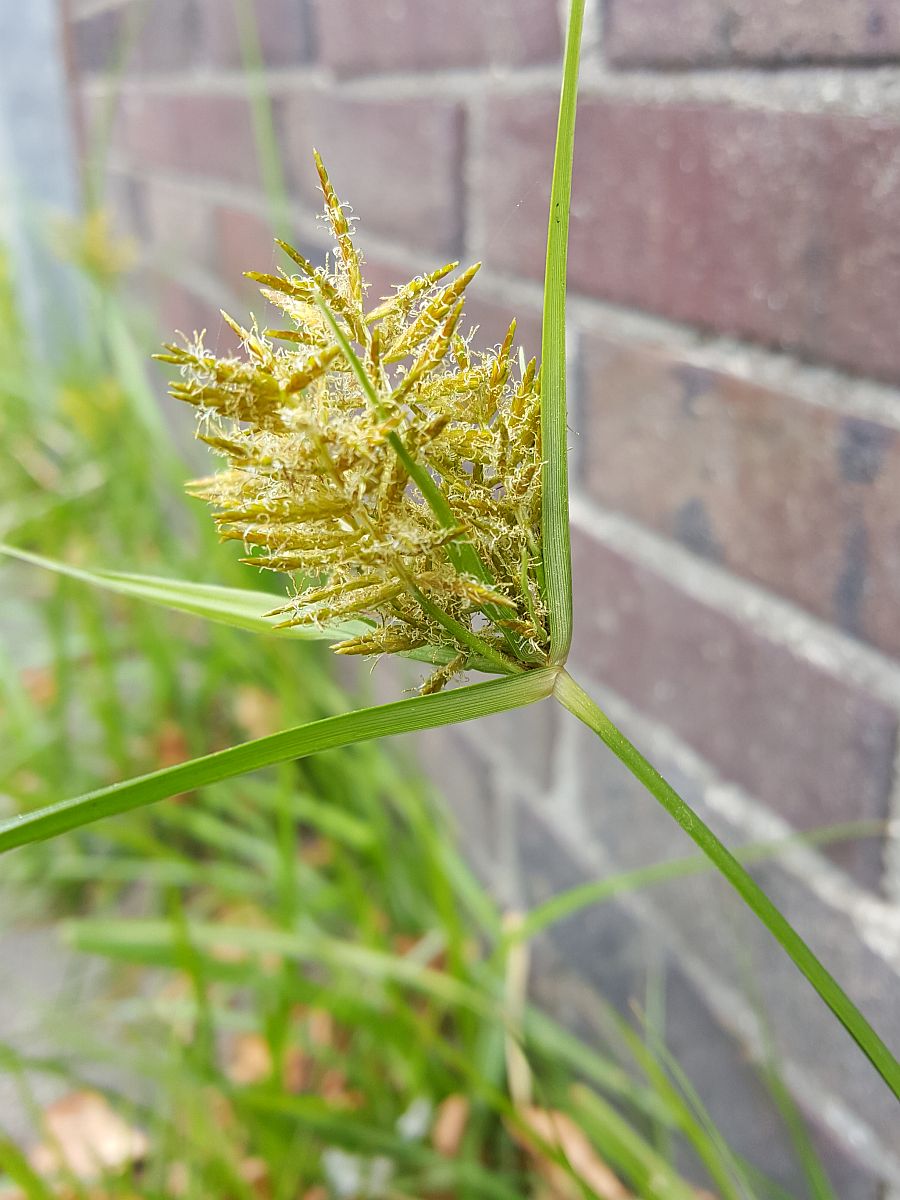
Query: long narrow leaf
[554, 431]
[626, 1149]
[155, 941]
[579, 703]
[404, 716]
[239, 608]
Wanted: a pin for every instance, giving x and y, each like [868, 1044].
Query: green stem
[578, 702]
[499, 662]
[554, 430]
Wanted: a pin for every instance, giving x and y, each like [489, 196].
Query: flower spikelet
[392, 472]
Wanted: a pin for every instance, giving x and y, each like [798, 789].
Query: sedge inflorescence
[373, 456]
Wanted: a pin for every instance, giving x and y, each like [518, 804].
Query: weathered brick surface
[165, 36]
[399, 160]
[463, 779]
[181, 309]
[420, 35]
[513, 182]
[174, 36]
[178, 224]
[521, 742]
[244, 242]
[200, 135]
[812, 746]
[492, 319]
[717, 929]
[614, 952]
[95, 41]
[776, 226]
[792, 495]
[721, 32]
[282, 26]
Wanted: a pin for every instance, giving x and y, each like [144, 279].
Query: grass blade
[626, 1150]
[152, 941]
[554, 432]
[817, 1182]
[238, 607]
[579, 703]
[130, 367]
[404, 716]
[15, 1165]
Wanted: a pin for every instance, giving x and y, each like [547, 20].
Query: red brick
[776, 226]
[168, 36]
[789, 494]
[717, 32]
[492, 320]
[244, 241]
[812, 747]
[861, 289]
[397, 162]
[95, 41]
[161, 37]
[513, 185]
[201, 135]
[177, 224]
[356, 36]
[522, 743]
[283, 27]
[182, 310]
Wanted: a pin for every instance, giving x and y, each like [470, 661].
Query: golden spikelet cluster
[391, 471]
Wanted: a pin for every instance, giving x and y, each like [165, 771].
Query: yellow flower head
[371, 455]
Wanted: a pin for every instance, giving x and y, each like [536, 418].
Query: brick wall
[736, 440]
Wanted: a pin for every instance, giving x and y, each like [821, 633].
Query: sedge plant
[417, 495]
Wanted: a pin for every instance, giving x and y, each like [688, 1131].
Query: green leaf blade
[579, 703]
[403, 716]
[554, 428]
[238, 607]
